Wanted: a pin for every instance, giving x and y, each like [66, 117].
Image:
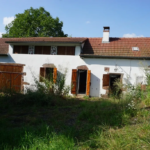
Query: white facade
[131, 70]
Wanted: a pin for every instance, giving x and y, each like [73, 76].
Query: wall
[129, 68]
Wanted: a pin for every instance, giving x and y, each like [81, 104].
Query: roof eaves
[3, 54]
[114, 57]
[44, 42]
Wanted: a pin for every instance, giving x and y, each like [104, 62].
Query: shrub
[48, 86]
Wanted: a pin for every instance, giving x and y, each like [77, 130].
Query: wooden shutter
[54, 75]
[88, 82]
[105, 81]
[17, 49]
[70, 50]
[61, 50]
[24, 50]
[46, 50]
[38, 50]
[42, 74]
[74, 81]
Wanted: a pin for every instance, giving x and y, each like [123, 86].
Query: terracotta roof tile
[117, 47]
[93, 46]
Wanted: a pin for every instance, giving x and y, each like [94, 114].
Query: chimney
[106, 35]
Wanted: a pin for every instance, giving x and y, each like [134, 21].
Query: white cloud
[1, 34]
[7, 20]
[87, 22]
[128, 35]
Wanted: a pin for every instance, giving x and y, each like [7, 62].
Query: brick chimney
[105, 35]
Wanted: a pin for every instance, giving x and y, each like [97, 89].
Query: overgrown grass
[34, 121]
[46, 118]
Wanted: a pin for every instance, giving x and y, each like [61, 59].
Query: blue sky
[86, 18]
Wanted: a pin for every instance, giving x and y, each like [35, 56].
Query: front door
[82, 78]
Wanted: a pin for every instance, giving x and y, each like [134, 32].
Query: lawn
[56, 123]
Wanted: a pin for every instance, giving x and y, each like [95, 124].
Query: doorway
[82, 77]
[113, 88]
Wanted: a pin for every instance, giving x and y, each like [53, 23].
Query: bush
[49, 86]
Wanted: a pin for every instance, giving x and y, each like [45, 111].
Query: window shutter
[105, 81]
[61, 50]
[74, 81]
[46, 50]
[17, 49]
[54, 75]
[24, 50]
[88, 82]
[38, 50]
[70, 50]
[42, 74]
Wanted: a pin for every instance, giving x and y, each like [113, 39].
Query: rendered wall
[130, 69]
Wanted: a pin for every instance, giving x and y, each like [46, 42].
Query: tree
[34, 23]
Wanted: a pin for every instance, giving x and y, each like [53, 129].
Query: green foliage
[34, 23]
[48, 86]
[59, 87]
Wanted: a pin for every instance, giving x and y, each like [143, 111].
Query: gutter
[114, 57]
[43, 42]
[3, 54]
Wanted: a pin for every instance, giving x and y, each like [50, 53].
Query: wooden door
[54, 75]
[106, 79]
[88, 83]
[74, 81]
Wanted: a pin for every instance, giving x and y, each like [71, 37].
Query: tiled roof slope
[117, 47]
[3, 46]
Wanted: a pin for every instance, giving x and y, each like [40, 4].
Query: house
[92, 64]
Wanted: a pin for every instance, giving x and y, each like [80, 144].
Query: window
[42, 50]
[31, 50]
[48, 73]
[45, 50]
[135, 48]
[65, 50]
[53, 50]
[20, 49]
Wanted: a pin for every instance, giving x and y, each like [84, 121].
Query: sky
[86, 18]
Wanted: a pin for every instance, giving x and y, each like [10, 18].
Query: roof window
[135, 48]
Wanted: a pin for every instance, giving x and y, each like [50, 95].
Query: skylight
[135, 48]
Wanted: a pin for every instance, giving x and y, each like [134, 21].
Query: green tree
[34, 23]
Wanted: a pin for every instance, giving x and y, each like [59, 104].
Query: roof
[46, 39]
[93, 47]
[117, 47]
[3, 47]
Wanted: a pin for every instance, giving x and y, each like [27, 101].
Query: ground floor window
[109, 80]
[48, 73]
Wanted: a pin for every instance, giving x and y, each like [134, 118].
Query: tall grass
[46, 118]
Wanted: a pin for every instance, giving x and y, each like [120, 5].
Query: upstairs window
[20, 49]
[44, 50]
[53, 50]
[65, 50]
[31, 50]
